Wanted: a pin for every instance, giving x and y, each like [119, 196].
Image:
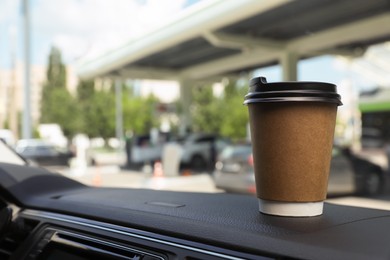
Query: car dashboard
[48, 216]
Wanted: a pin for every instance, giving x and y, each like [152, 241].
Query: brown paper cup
[292, 148]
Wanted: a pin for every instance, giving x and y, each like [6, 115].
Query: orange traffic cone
[97, 178]
[158, 170]
[186, 172]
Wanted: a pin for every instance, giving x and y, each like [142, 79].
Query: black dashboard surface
[224, 220]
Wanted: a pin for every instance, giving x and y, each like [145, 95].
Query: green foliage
[236, 118]
[93, 112]
[139, 113]
[35, 133]
[207, 113]
[98, 110]
[57, 104]
[85, 90]
[6, 124]
[61, 108]
[98, 113]
[224, 115]
[230, 90]
[235, 122]
[56, 72]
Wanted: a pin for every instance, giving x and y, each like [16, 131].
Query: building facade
[12, 94]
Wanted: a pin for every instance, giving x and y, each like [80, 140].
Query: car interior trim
[57, 237]
[119, 230]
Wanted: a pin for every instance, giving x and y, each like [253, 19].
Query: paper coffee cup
[292, 127]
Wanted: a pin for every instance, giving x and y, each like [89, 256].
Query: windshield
[9, 156]
[141, 94]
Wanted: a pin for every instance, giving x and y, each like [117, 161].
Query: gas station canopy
[220, 38]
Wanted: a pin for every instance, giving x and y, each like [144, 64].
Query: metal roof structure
[226, 37]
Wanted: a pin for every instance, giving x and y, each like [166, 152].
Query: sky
[80, 28]
[89, 28]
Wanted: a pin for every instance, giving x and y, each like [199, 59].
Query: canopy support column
[185, 102]
[118, 111]
[289, 62]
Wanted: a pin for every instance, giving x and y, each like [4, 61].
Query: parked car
[349, 173]
[372, 138]
[43, 153]
[143, 150]
[200, 150]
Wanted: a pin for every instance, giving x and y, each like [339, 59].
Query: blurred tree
[236, 118]
[60, 107]
[98, 114]
[6, 124]
[207, 110]
[234, 124]
[56, 72]
[230, 90]
[57, 104]
[98, 110]
[139, 113]
[223, 115]
[85, 90]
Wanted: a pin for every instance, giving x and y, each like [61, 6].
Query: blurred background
[147, 93]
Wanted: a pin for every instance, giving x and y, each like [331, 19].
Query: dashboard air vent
[15, 233]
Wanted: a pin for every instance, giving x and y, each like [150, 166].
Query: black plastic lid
[261, 91]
